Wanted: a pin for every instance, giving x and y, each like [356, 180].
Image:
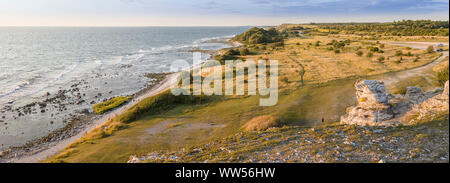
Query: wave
[139, 55]
[31, 81]
[25, 83]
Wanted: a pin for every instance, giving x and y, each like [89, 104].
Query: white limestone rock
[373, 105]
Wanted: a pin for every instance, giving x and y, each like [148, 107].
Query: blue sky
[213, 12]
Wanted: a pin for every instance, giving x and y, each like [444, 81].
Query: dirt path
[402, 75]
[40, 156]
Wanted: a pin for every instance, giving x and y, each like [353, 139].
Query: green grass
[442, 75]
[159, 103]
[110, 104]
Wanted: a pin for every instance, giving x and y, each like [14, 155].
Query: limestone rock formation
[373, 104]
[430, 108]
[376, 107]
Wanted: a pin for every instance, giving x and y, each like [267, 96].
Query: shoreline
[42, 150]
[39, 149]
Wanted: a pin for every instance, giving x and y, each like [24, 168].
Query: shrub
[359, 53]
[380, 59]
[442, 75]
[430, 49]
[261, 123]
[244, 51]
[337, 51]
[317, 43]
[398, 53]
[370, 54]
[227, 55]
[373, 49]
[110, 104]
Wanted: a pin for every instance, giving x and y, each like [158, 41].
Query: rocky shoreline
[73, 125]
[77, 122]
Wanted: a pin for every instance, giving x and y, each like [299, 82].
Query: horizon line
[309, 23]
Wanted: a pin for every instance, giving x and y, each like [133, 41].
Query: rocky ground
[426, 142]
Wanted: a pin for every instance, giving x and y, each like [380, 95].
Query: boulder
[373, 104]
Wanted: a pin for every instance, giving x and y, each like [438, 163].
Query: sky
[213, 12]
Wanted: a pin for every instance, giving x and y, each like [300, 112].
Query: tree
[301, 72]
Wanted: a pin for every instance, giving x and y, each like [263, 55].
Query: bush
[370, 54]
[317, 43]
[398, 53]
[337, 51]
[373, 49]
[261, 123]
[430, 49]
[244, 51]
[359, 53]
[227, 55]
[380, 59]
[442, 76]
[110, 104]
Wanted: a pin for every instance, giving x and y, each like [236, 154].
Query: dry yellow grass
[324, 65]
[261, 123]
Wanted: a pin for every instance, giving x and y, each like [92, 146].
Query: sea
[95, 63]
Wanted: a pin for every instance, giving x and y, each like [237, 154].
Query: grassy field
[325, 93]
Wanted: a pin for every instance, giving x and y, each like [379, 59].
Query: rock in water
[373, 104]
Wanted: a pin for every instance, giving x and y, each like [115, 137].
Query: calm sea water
[37, 60]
